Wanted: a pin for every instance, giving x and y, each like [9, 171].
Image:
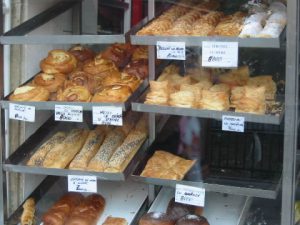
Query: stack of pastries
[233, 90]
[201, 18]
[104, 149]
[80, 75]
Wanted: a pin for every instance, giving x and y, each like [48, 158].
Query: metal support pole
[127, 17]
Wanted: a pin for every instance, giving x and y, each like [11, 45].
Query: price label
[82, 183]
[233, 123]
[170, 50]
[21, 112]
[190, 195]
[107, 115]
[219, 54]
[70, 113]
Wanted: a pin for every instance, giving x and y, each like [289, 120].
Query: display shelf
[116, 195]
[16, 162]
[88, 106]
[140, 106]
[218, 209]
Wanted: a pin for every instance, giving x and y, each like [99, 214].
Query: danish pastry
[82, 53]
[118, 53]
[30, 93]
[74, 94]
[112, 93]
[100, 66]
[81, 78]
[52, 82]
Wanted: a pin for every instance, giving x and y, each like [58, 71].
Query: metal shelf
[219, 208]
[17, 161]
[212, 114]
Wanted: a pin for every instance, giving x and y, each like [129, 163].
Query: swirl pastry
[111, 79]
[112, 93]
[58, 61]
[52, 82]
[119, 54]
[130, 80]
[74, 94]
[82, 53]
[138, 68]
[100, 66]
[80, 78]
[30, 93]
[140, 52]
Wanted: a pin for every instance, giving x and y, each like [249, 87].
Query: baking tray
[140, 106]
[123, 199]
[16, 162]
[87, 106]
[219, 208]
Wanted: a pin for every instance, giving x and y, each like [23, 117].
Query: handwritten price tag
[21, 112]
[69, 113]
[170, 50]
[233, 123]
[107, 115]
[82, 183]
[219, 54]
[190, 195]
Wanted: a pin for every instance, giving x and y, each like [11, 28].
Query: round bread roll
[177, 210]
[112, 93]
[52, 82]
[82, 53]
[74, 94]
[156, 218]
[58, 61]
[192, 220]
[30, 93]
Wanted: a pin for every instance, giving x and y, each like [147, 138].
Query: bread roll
[27, 217]
[89, 149]
[115, 221]
[88, 212]
[38, 157]
[61, 155]
[61, 210]
[156, 218]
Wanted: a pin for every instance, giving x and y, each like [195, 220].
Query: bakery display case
[140, 165]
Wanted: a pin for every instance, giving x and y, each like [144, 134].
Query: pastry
[27, 217]
[110, 80]
[112, 93]
[58, 61]
[165, 165]
[141, 52]
[138, 67]
[120, 54]
[61, 210]
[177, 210]
[38, 157]
[115, 221]
[88, 211]
[235, 77]
[220, 88]
[266, 82]
[192, 220]
[129, 80]
[89, 149]
[80, 78]
[159, 93]
[74, 94]
[154, 218]
[62, 154]
[30, 93]
[111, 142]
[82, 53]
[52, 82]
[100, 66]
[253, 25]
[214, 100]
[185, 99]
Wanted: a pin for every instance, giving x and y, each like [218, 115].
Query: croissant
[52, 82]
[30, 93]
[74, 94]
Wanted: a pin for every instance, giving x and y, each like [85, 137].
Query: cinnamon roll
[118, 53]
[30, 93]
[80, 78]
[74, 94]
[52, 82]
[138, 68]
[82, 53]
[113, 93]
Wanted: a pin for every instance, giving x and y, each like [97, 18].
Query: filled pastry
[112, 93]
[120, 54]
[82, 53]
[74, 94]
[30, 93]
[81, 78]
[52, 82]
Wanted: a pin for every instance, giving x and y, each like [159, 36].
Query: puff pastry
[159, 93]
[214, 100]
[30, 93]
[267, 82]
[185, 99]
[236, 77]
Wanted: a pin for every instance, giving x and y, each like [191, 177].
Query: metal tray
[50, 105]
[16, 162]
[140, 106]
[219, 208]
[133, 195]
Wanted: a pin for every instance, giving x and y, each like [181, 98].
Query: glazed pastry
[27, 217]
[61, 210]
[52, 82]
[30, 93]
[177, 210]
[165, 165]
[253, 25]
[154, 218]
[38, 157]
[58, 61]
[131, 81]
[138, 67]
[89, 149]
[114, 221]
[100, 66]
[112, 93]
[192, 220]
[74, 94]
[80, 78]
[88, 211]
[112, 79]
[82, 53]
[118, 53]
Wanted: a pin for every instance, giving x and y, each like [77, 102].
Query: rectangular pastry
[61, 155]
[38, 157]
[89, 149]
[114, 221]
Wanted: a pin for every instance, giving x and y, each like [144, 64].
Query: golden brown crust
[58, 61]
[74, 94]
[118, 53]
[100, 66]
[52, 82]
[81, 78]
[30, 93]
[112, 93]
[82, 53]
[138, 67]
[115, 221]
[214, 100]
[27, 217]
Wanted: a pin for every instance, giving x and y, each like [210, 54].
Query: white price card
[190, 195]
[107, 115]
[21, 112]
[82, 183]
[69, 113]
[170, 50]
[220, 54]
[233, 123]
